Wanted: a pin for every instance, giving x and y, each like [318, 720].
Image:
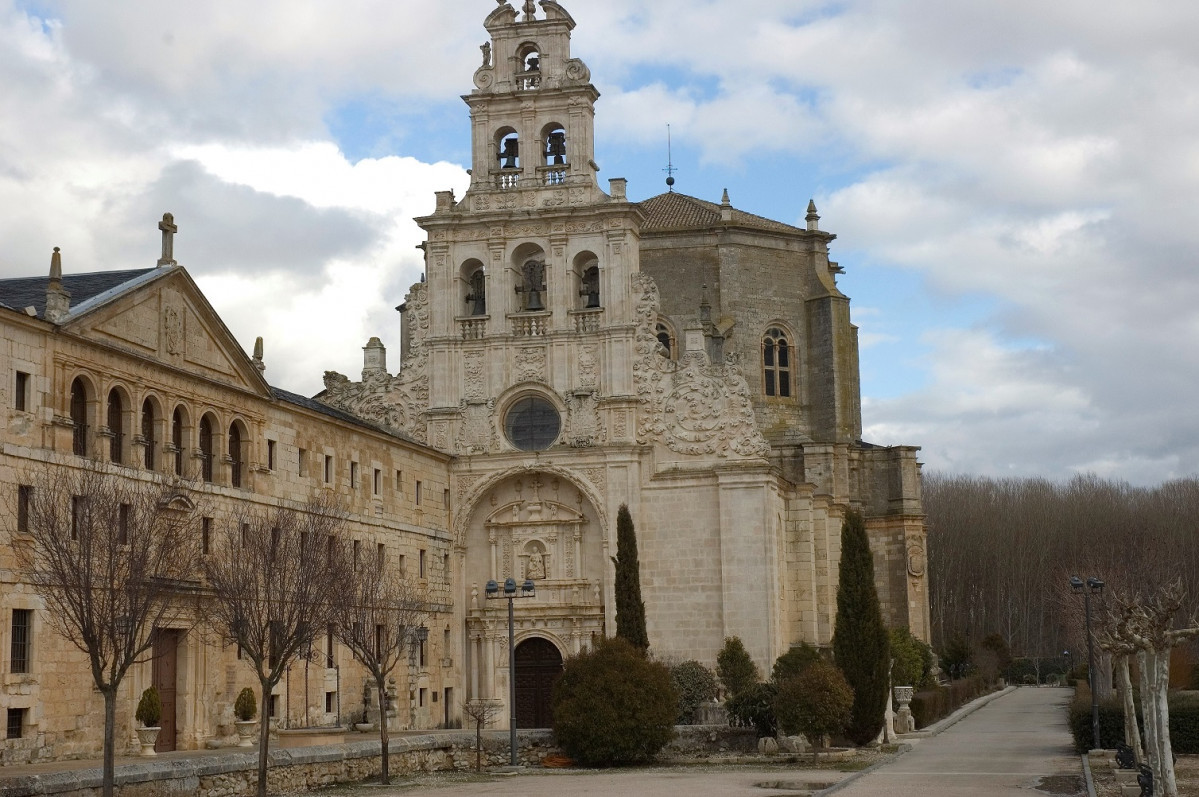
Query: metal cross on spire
[670, 169]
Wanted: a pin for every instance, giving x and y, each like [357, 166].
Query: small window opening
[666, 339]
[328, 469]
[116, 426]
[21, 646]
[177, 440]
[123, 524]
[354, 475]
[477, 298]
[206, 535]
[330, 702]
[270, 454]
[24, 503]
[79, 418]
[151, 444]
[206, 449]
[235, 455]
[417, 495]
[422, 563]
[16, 722]
[21, 392]
[302, 461]
[378, 482]
[776, 364]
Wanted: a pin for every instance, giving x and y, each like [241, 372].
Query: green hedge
[930, 705]
[1184, 721]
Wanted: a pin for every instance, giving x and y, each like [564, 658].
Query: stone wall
[230, 774]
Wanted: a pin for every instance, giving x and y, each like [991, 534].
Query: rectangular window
[16, 722]
[400, 482]
[416, 496]
[354, 475]
[24, 500]
[357, 552]
[206, 535]
[445, 498]
[424, 649]
[380, 630]
[378, 485]
[270, 454]
[245, 534]
[422, 563]
[274, 704]
[381, 552]
[78, 515]
[22, 641]
[302, 461]
[328, 469]
[330, 702]
[123, 524]
[445, 566]
[330, 662]
[423, 693]
[20, 392]
[403, 565]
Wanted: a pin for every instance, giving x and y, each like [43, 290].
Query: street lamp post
[527, 590]
[1092, 586]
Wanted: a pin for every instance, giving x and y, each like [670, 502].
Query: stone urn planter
[147, 737]
[904, 721]
[247, 731]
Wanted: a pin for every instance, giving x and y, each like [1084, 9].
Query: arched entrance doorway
[538, 664]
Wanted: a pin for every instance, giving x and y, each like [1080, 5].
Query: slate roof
[25, 291]
[673, 211]
[333, 412]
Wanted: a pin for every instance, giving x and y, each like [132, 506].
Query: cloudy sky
[1014, 184]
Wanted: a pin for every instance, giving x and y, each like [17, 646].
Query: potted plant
[149, 713]
[245, 708]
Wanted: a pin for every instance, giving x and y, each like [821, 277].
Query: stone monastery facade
[569, 351]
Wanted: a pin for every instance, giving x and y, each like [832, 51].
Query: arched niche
[118, 412]
[586, 269]
[150, 430]
[531, 271]
[472, 276]
[507, 149]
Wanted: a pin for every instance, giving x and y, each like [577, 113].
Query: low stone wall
[231, 773]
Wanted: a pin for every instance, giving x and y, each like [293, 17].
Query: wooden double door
[538, 665]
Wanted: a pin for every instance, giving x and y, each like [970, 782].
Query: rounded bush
[755, 708]
[817, 703]
[613, 706]
[149, 708]
[695, 685]
[245, 708]
[797, 659]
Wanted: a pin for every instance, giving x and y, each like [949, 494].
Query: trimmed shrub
[913, 659]
[1184, 721]
[794, 662]
[816, 703]
[754, 708]
[861, 644]
[149, 708]
[734, 667]
[245, 708]
[695, 684]
[613, 706]
[930, 705]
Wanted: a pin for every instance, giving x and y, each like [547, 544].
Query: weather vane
[670, 169]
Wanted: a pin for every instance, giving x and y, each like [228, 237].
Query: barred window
[22, 641]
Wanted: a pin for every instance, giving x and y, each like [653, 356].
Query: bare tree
[274, 577]
[482, 712]
[1147, 625]
[114, 558]
[379, 613]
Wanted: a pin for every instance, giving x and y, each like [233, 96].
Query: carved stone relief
[472, 372]
[530, 364]
[583, 421]
[588, 366]
[692, 406]
[477, 435]
[395, 402]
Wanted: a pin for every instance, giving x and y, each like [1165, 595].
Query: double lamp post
[1092, 586]
[510, 593]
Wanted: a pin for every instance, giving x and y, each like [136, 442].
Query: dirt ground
[1103, 771]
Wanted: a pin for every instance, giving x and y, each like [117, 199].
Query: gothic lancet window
[776, 363]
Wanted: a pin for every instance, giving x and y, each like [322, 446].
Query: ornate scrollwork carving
[477, 435]
[692, 406]
[584, 429]
[577, 71]
[396, 402]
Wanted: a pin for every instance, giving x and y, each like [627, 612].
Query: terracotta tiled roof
[674, 211]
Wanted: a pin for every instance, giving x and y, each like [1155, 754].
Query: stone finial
[169, 228]
[374, 358]
[812, 217]
[726, 207]
[258, 363]
[58, 300]
[530, 10]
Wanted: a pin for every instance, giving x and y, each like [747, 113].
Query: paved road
[1008, 747]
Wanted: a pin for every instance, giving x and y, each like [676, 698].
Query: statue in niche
[555, 148]
[509, 152]
[486, 48]
[533, 272]
[536, 567]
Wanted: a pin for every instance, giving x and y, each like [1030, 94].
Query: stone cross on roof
[169, 228]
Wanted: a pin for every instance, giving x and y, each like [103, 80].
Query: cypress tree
[630, 609]
[861, 644]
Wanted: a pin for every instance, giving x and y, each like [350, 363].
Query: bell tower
[530, 312]
[533, 108]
